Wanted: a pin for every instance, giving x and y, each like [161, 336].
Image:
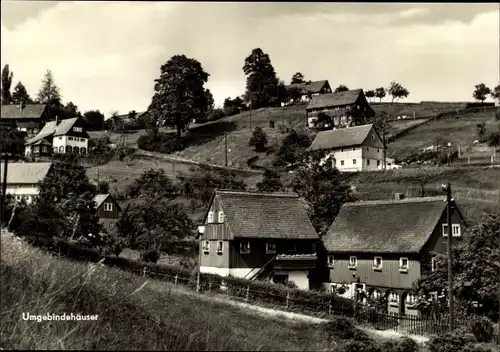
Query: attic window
[373, 137]
[221, 217]
[108, 206]
[210, 217]
[455, 228]
[77, 129]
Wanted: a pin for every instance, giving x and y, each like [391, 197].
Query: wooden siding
[113, 214]
[214, 259]
[389, 276]
[215, 230]
[353, 115]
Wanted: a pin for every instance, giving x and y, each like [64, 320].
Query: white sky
[106, 55]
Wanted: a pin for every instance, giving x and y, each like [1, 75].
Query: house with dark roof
[108, 210]
[382, 247]
[253, 235]
[337, 110]
[64, 136]
[23, 178]
[303, 92]
[29, 118]
[358, 148]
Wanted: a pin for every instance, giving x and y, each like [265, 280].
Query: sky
[106, 55]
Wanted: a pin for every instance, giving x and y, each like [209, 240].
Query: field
[133, 314]
[425, 109]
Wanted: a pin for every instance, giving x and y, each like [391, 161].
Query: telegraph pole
[225, 148]
[450, 242]
[4, 188]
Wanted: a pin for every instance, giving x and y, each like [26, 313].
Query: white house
[358, 148]
[65, 136]
[22, 179]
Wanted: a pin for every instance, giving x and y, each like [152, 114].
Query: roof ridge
[256, 193]
[366, 125]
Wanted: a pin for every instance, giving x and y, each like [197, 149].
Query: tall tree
[370, 94]
[151, 183]
[481, 92]
[258, 140]
[49, 91]
[297, 78]
[94, 120]
[210, 103]
[262, 83]
[292, 148]
[271, 182]
[20, 94]
[7, 76]
[380, 93]
[397, 91]
[179, 94]
[341, 88]
[68, 111]
[495, 94]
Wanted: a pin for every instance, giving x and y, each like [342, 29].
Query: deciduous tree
[93, 120]
[397, 91]
[292, 148]
[341, 88]
[20, 94]
[495, 94]
[380, 93]
[481, 92]
[271, 182]
[258, 140]
[370, 94]
[297, 78]
[153, 183]
[262, 83]
[179, 94]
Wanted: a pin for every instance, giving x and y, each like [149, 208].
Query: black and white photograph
[250, 176]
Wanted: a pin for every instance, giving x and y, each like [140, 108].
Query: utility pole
[449, 249]
[4, 188]
[225, 148]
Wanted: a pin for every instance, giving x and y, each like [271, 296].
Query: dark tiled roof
[334, 99]
[266, 215]
[51, 128]
[30, 111]
[313, 87]
[342, 137]
[25, 173]
[65, 126]
[390, 226]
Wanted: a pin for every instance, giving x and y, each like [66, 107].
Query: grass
[133, 314]
[420, 110]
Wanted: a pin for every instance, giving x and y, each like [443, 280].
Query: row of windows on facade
[245, 247]
[337, 108]
[356, 148]
[220, 217]
[377, 263]
[392, 297]
[76, 139]
[69, 149]
[354, 162]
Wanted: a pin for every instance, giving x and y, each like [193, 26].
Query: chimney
[399, 196]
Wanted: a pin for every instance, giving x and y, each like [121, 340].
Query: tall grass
[133, 313]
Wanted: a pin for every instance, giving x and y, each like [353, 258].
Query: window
[353, 262]
[83, 150]
[45, 149]
[411, 299]
[245, 247]
[455, 228]
[393, 298]
[292, 246]
[221, 217]
[60, 138]
[70, 138]
[403, 264]
[331, 261]
[69, 149]
[55, 149]
[433, 264]
[111, 225]
[108, 206]
[354, 161]
[61, 149]
[378, 162]
[82, 139]
[342, 162]
[206, 247]
[354, 149]
[377, 263]
[77, 129]
[367, 161]
[270, 247]
[210, 217]
[341, 150]
[373, 136]
[76, 150]
[378, 150]
[36, 149]
[219, 247]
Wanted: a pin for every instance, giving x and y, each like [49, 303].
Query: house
[342, 109]
[358, 148]
[108, 210]
[28, 118]
[258, 236]
[65, 136]
[306, 90]
[382, 247]
[23, 178]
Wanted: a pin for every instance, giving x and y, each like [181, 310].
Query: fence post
[198, 282]
[248, 293]
[144, 272]
[287, 299]
[210, 286]
[175, 280]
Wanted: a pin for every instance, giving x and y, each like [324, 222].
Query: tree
[258, 140]
[179, 94]
[93, 120]
[370, 94]
[481, 131]
[68, 111]
[495, 94]
[20, 95]
[210, 104]
[292, 148]
[323, 121]
[262, 83]
[7, 76]
[49, 91]
[132, 114]
[397, 91]
[475, 276]
[481, 92]
[271, 182]
[320, 184]
[297, 78]
[103, 187]
[380, 93]
[67, 189]
[341, 88]
[153, 183]
[150, 224]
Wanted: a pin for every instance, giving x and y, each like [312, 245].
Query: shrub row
[160, 142]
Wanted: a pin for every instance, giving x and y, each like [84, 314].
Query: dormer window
[210, 218]
[77, 129]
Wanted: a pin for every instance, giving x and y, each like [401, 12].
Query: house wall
[343, 116]
[22, 190]
[212, 258]
[300, 278]
[65, 141]
[113, 214]
[347, 155]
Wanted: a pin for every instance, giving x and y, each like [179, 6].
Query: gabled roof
[342, 137]
[30, 111]
[304, 88]
[25, 173]
[385, 226]
[101, 198]
[334, 99]
[265, 215]
[52, 128]
[65, 126]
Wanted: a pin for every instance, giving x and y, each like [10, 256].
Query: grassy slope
[34, 282]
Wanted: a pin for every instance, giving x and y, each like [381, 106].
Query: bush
[161, 143]
[482, 328]
[341, 328]
[494, 139]
[451, 342]
[258, 140]
[404, 344]
[360, 346]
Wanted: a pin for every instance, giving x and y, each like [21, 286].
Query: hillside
[423, 109]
